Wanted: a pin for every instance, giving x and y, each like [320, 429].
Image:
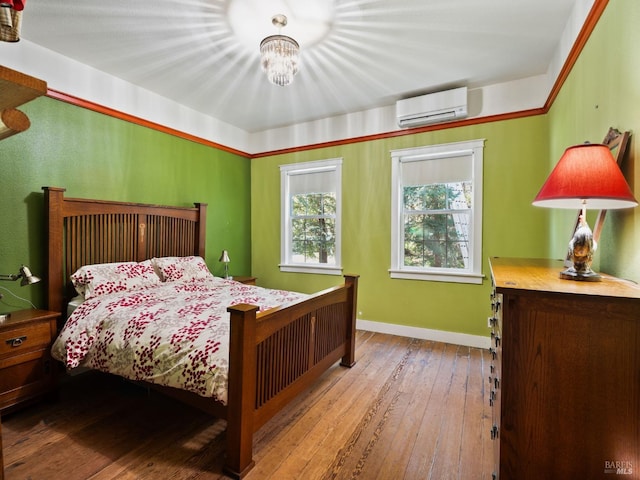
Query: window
[436, 231]
[311, 206]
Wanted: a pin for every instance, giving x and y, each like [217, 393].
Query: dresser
[565, 374]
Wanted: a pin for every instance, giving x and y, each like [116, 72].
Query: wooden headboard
[84, 232]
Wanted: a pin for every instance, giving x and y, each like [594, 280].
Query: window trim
[286, 265]
[473, 148]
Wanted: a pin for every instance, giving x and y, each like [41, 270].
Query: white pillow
[181, 269]
[104, 278]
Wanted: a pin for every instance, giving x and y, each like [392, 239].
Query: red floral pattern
[105, 278]
[174, 334]
[181, 269]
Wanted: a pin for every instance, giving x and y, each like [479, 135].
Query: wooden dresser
[565, 377]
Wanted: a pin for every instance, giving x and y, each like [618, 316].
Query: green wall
[96, 156]
[602, 91]
[514, 151]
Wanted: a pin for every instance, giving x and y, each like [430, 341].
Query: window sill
[328, 270]
[452, 277]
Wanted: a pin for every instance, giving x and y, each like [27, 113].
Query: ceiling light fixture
[279, 55]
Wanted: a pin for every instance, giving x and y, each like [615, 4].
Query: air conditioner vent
[432, 108]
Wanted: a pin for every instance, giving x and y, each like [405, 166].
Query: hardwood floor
[409, 409]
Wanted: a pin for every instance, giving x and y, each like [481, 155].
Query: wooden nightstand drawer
[26, 377]
[23, 338]
[26, 367]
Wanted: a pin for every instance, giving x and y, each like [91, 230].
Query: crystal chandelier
[279, 55]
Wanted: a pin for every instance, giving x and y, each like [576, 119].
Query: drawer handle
[16, 342]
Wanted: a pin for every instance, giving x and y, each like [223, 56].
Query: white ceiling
[355, 54]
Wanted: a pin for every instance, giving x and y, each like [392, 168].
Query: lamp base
[4, 317]
[572, 274]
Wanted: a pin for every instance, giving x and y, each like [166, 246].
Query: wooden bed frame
[274, 355]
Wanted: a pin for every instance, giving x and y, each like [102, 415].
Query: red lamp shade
[586, 173]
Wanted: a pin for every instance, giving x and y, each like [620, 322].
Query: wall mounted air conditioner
[432, 108]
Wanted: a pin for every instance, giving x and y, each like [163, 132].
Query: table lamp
[26, 278]
[586, 174]
[224, 258]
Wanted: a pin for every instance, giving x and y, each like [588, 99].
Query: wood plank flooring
[409, 409]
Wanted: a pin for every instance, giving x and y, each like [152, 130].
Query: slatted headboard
[84, 232]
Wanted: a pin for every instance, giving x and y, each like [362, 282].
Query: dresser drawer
[24, 338]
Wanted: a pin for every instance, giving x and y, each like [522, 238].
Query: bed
[274, 354]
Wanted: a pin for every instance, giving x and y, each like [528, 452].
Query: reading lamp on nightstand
[224, 258]
[585, 174]
[27, 278]
[24, 273]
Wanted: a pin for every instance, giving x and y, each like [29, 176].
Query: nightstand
[26, 368]
[245, 279]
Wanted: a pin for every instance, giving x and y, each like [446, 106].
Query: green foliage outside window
[313, 227]
[436, 225]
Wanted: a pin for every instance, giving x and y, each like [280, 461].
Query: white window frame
[473, 273]
[286, 173]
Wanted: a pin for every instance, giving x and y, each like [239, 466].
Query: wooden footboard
[276, 354]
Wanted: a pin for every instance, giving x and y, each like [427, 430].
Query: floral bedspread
[174, 334]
